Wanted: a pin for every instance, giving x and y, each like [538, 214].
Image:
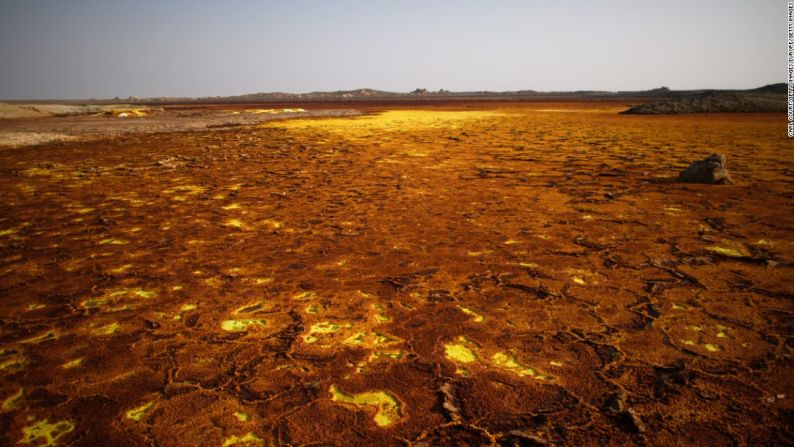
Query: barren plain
[512, 274]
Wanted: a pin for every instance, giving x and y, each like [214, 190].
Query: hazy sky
[107, 48]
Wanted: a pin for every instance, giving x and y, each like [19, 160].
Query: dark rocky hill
[770, 98]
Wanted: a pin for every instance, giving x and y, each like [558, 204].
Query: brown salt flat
[488, 274]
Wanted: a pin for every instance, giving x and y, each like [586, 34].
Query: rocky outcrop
[710, 102]
[710, 170]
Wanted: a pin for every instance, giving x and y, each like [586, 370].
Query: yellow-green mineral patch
[508, 362]
[49, 335]
[8, 231]
[463, 371]
[188, 307]
[370, 339]
[380, 317]
[248, 439]
[712, 348]
[48, 433]
[121, 269]
[72, 363]
[383, 339]
[112, 241]
[122, 307]
[11, 403]
[311, 309]
[726, 251]
[459, 352]
[477, 318]
[250, 308]
[387, 406]
[137, 413]
[234, 223]
[356, 339]
[16, 362]
[143, 293]
[241, 325]
[274, 224]
[189, 189]
[395, 355]
[108, 329]
[303, 296]
[140, 293]
[324, 327]
[390, 121]
[242, 417]
[215, 282]
[478, 253]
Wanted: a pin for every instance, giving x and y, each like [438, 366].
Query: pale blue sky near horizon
[53, 49]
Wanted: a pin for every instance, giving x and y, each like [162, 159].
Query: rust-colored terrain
[500, 274]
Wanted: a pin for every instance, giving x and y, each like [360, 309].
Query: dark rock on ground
[709, 170]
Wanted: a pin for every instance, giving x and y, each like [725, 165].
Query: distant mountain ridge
[367, 94]
[372, 94]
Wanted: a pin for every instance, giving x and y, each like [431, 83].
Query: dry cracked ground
[501, 274]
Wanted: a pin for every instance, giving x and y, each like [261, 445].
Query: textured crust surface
[489, 275]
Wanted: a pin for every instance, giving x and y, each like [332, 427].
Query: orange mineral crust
[479, 274]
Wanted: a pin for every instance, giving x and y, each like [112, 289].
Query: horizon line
[417, 92]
